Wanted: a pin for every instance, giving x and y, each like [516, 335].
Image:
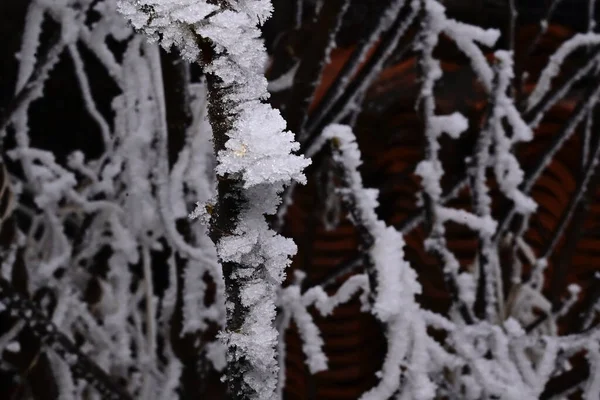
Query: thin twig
[481, 204]
[356, 261]
[429, 71]
[30, 90]
[588, 100]
[535, 114]
[342, 80]
[543, 28]
[580, 192]
[364, 78]
[512, 21]
[177, 104]
[312, 64]
[298, 13]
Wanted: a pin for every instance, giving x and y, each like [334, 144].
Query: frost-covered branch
[556, 60]
[33, 74]
[430, 170]
[312, 63]
[585, 104]
[394, 282]
[254, 164]
[365, 76]
[495, 150]
[295, 308]
[386, 17]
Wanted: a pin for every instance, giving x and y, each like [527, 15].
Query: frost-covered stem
[225, 216]
[42, 328]
[287, 199]
[556, 61]
[588, 101]
[365, 76]
[431, 72]
[507, 172]
[250, 264]
[392, 279]
[86, 93]
[543, 29]
[587, 135]
[574, 201]
[342, 80]
[534, 114]
[282, 324]
[481, 205]
[591, 15]
[516, 87]
[312, 63]
[414, 220]
[512, 20]
[298, 13]
[30, 90]
[254, 164]
[350, 198]
[7, 205]
[351, 201]
[150, 305]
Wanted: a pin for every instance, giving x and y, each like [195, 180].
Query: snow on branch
[494, 149]
[430, 170]
[295, 305]
[255, 161]
[465, 37]
[555, 63]
[396, 282]
[384, 254]
[414, 359]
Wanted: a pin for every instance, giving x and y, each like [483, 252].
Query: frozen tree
[174, 225]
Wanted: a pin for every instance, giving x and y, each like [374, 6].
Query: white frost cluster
[170, 21]
[259, 148]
